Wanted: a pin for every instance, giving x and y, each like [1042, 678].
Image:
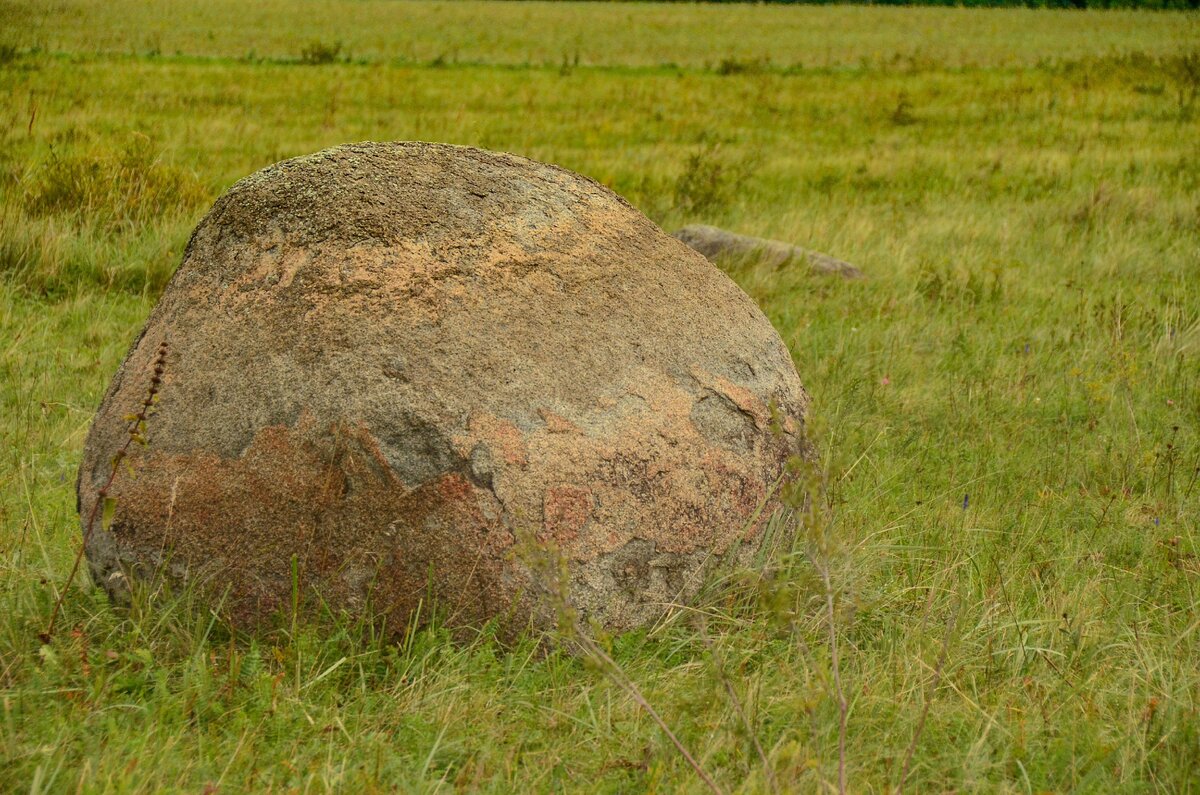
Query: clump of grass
[552, 582]
[741, 66]
[116, 190]
[1184, 70]
[710, 180]
[54, 257]
[316, 52]
[570, 62]
[902, 115]
[957, 285]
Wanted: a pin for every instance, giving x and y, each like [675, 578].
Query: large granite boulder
[390, 364]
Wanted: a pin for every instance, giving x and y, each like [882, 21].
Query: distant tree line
[1158, 5]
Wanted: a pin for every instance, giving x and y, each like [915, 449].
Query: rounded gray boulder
[388, 365]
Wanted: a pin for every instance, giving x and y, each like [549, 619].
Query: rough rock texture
[718, 244]
[389, 363]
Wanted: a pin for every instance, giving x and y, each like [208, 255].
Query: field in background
[1008, 409]
[590, 34]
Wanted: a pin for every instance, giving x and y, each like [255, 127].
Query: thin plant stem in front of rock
[809, 496]
[105, 505]
[723, 676]
[549, 567]
[934, 681]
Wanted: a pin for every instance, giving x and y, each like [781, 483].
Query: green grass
[1023, 189]
[551, 33]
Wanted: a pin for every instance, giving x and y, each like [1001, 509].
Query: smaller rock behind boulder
[717, 244]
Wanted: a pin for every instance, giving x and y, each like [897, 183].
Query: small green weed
[711, 180]
[740, 66]
[316, 53]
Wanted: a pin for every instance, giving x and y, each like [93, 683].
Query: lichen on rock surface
[390, 362]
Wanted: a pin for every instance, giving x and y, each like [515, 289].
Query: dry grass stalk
[136, 433]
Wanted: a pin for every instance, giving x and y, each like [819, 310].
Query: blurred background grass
[1007, 409]
[592, 34]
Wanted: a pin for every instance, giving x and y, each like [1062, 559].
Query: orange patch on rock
[556, 423]
[741, 397]
[501, 436]
[565, 511]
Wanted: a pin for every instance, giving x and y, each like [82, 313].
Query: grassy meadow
[1007, 410]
